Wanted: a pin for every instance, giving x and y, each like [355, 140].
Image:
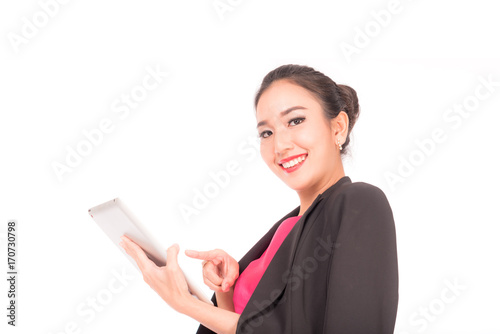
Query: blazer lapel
[276, 277]
[259, 248]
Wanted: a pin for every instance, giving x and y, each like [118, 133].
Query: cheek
[307, 139]
[266, 152]
[316, 144]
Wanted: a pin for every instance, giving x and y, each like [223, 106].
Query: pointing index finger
[198, 254]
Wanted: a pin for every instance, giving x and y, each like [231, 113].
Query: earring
[340, 145]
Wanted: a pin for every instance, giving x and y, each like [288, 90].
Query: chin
[297, 185]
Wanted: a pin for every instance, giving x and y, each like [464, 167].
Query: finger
[192, 253]
[172, 253]
[212, 286]
[211, 273]
[230, 272]
[227, 283]
[136, 252]
[201, 255]
[215, 255]
[215, 262]
[130, 248]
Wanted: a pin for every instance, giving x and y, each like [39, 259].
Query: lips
[282, 161]
[297, 160]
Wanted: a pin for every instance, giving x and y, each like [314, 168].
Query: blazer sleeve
[362, 285]
[254, 253]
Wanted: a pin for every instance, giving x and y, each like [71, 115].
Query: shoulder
[360, 212]
[363, 191]
[359, 196]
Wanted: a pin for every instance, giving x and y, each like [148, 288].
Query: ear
[340, 126]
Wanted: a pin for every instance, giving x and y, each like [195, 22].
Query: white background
[425, 58]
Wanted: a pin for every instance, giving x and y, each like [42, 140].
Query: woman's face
[291, 123]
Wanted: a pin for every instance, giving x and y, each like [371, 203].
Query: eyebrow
[282, 114]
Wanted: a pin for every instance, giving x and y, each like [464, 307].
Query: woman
[329, 265]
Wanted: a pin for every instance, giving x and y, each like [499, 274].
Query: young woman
[330, 264]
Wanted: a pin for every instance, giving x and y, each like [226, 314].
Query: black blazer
[336, 272]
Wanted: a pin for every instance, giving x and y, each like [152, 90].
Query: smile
[294, 164]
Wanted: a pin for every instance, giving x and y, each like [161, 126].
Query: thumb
[232, 273]
[172, 253]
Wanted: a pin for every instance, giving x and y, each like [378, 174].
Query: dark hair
[332, 97]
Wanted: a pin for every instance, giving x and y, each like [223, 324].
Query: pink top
[250, 277]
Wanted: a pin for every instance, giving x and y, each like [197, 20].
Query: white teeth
[293, 162]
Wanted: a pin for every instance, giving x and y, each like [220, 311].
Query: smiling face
[291, 124]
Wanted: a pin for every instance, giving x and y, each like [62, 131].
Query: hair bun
[351, 106]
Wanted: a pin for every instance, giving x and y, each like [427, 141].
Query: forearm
[225, 299]
[214, 318]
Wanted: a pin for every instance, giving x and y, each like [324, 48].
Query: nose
[282, 143]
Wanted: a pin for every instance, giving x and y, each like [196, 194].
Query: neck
[307, 196]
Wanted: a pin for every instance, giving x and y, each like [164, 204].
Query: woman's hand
[220, 270]
[168, 281]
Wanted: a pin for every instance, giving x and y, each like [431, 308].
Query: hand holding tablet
[114, 218]
[168, 281]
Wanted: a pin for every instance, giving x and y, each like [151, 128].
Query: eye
[301, 119]
[295, 121]
[262, 134]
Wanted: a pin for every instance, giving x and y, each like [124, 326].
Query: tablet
[115, 219]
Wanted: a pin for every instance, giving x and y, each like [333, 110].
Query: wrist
[184, 303]
[225, 299]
